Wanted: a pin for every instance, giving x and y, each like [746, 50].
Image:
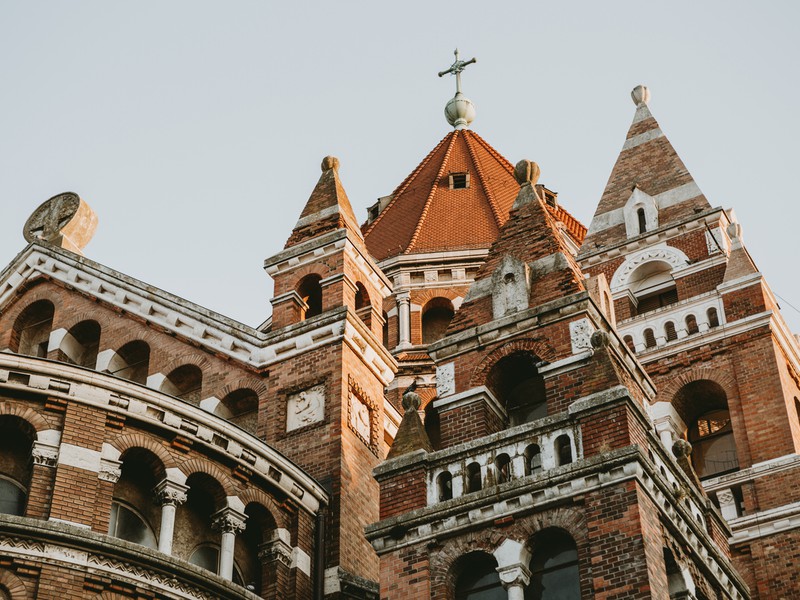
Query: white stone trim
[642, 138]
[476, 394]
[765, 523]
[79, 457]
[674, 257]
[301, 561]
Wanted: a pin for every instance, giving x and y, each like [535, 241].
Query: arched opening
[649, 338]
[653, 286]
[703, 405]
[554, 567]
[516, 383]
[258, 529]
[385, 331]
[184, 382]
[642, 220]
[478, 578]
[363, 304]
[444, 486]
[563, 449]
[131, 362]
[195, 540]
[16, 442]
[629, 343]
[433, 425]
[669, 331]
[676, 577]
[241, 408]
[474, 480]
[502, 468]
[310, 291]
[691, 325]
[134, 515]
[80, 344]
[533, 459]
[31, 330]
[436, 317]
[713, 317]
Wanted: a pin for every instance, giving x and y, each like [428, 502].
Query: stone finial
[734, 232]
[64, 220]
[681, 448]
[330, 162]
[527, 171]
[599, 339]
[640, 95]
[411, 401]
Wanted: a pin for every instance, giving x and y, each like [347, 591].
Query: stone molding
[171, 493]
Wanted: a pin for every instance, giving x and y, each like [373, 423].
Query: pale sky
[195, 129]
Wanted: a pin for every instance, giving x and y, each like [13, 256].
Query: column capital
[275, 551]
[228, 520]
[45, 455]
[110, 470]
[403, 297]
[171, 493]
[514, 575]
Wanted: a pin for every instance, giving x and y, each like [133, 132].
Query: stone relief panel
[362, 415]
[580, 334]
[445, 379]
[510, 287]
[305, 407]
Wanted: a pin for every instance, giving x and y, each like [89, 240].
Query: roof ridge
[486, 190]
[406, 182]
[432, 193]
[488, 147]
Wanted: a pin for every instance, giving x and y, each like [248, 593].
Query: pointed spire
[531, 237]
[327, 209]
[411, 433]
[739, 262]
[648, 162]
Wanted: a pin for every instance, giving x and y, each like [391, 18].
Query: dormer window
[459, 181]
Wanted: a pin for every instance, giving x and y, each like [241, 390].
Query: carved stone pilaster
[228, 520]
[170, 493]
[110, 470]
[44, 455]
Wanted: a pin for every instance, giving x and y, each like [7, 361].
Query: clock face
[360, 418]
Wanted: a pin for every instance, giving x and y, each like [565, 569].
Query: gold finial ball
[330, 162]
[640, 95]
[527, 171]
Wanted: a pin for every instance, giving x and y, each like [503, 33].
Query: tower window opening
[459, 181]
[669, 330]
[310, 290]
[563, 450]
[533, 459]
[444, 485]
[713, 317]
[649, 339]
[642, 220]
[502, 465]
[473, 477]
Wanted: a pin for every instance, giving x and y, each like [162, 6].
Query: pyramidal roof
[427, 214]
[327, 209]
[648, 164]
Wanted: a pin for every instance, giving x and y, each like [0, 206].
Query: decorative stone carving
[64, 220]
[580, 335]
[171, 493]
[715, 241]
[305, 407]
[672, 256]
[275, 551]
[514, 576]
[510, 287]
[228, 520]
[44, 455]
[445, 380]
[110, 470]
[362, 415]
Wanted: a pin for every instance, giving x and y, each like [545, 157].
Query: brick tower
[329, 382]
[702, 321]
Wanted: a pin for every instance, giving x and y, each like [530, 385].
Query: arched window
[444, 486]
[16, 443]
[533, 459]
[433, 425]
[554, 567]
[436, 316]
[31, 331]
[563, 448]
[478, 578]
[691, 325]
[713, 318]
[132, 362]
[259, 529]
[241, 408]
[669, 331]
[649, 338]
[713, 446]
[642, 219]
[363, 304]
[206, 556]
[184, 382]
[653, 286]
[80, 344]
[133, 510]
[502, 467]
[310, 291]
[629, 343]
[204, 498]
[474, 482]
[517, 384]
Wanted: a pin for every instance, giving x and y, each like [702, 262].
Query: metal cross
[456, 68]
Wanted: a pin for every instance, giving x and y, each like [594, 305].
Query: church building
[468, 394]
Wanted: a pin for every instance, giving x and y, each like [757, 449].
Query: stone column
[170, 495]
[229, 522]
[404, 319]
[515, 578]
